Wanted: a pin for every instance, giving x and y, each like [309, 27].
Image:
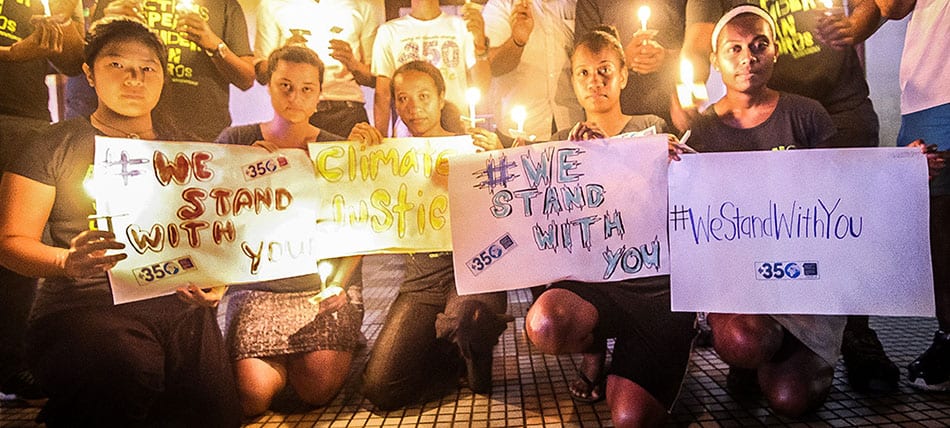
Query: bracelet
[520, 45]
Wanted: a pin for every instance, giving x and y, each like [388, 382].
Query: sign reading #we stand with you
[590, 211]
[206, 214]
[801, 231]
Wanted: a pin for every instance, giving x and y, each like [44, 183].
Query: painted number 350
[485, 258]
[157, 271]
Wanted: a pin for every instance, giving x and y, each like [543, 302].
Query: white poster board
[829, 231]
[387, 198]
[201, 213]
[591, 211]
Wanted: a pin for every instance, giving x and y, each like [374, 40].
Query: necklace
[135, 135]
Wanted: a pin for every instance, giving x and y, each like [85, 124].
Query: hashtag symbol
[678, 217]
[496, 173]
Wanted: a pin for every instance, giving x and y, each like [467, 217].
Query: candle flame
[473, 95]
[686, 72]
[828, 3]
[644, 14]
[519, 114]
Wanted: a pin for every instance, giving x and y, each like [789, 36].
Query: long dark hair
[450, 116]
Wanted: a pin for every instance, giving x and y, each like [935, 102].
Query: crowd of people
[163, 71]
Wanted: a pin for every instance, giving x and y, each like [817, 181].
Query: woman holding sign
[653, 344]
[159, 361]
[430, 330]
[791, 358]
[281, 332]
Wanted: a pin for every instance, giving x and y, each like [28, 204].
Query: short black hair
[117, 29]
[293, 53]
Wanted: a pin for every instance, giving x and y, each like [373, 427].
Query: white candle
[519, 114]
[688, 90]
[472, 96]
[644, 14]
[46, 10]
[324, 269]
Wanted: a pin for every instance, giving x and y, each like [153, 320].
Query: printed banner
[207, 214]
[836, 231]
[387, 198]
[590, 211]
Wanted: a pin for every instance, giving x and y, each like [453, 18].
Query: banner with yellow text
[206, 214]
[592, 211]
[821, 231]
[387, 198]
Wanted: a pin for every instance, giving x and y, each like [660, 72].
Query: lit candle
[472, 96]
[324, 269]
[185, 6]
[644, 14]
[46, 10]
[684, 90]
[519, 114]
[830, 8]
[689, 90]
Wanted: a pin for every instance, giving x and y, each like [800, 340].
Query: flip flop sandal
[592, 393]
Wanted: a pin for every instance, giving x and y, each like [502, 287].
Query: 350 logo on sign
[264, 167]
[786, 270]
[150, 274]
[491, 254]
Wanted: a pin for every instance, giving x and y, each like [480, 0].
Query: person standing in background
[925, 115]
[31, 38]
[531, 41]
[341, 32]
[457, 47]
[207, 51]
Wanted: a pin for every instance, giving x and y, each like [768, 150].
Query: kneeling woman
[652, 346]
[275, 334]
[159, 361]
[790, 357]
[431, 331]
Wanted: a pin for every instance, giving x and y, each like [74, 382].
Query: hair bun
[609, 29]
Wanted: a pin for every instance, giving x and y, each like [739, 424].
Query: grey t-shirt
[635, 124]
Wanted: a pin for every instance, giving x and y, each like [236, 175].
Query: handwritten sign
[206, 214]
[590, 211]
[802, 231]
[387, 198]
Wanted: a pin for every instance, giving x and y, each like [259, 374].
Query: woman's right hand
[586, 131]
[87, 257]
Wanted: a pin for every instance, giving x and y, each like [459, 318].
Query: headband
[736, 11]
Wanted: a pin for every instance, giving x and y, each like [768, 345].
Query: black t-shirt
[195, 98]
[248, 134]
[805, 66]
[797, 122]
[649, 93]
[23, 91]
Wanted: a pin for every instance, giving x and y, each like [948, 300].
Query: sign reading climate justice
[387, 198]
[207, 214]
[835, 231]
[590, 211]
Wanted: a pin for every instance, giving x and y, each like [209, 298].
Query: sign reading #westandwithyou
[591, 211]
[822, 231]
[206, 214]
[388, 198]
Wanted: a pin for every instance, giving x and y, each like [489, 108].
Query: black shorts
[652, 344]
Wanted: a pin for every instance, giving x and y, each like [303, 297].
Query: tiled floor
[530, 388]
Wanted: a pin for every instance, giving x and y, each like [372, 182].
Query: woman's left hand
[334, 303]
[366, 134]
[208, 297]
[484, 139]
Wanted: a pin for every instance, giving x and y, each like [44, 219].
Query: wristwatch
[219, 52]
